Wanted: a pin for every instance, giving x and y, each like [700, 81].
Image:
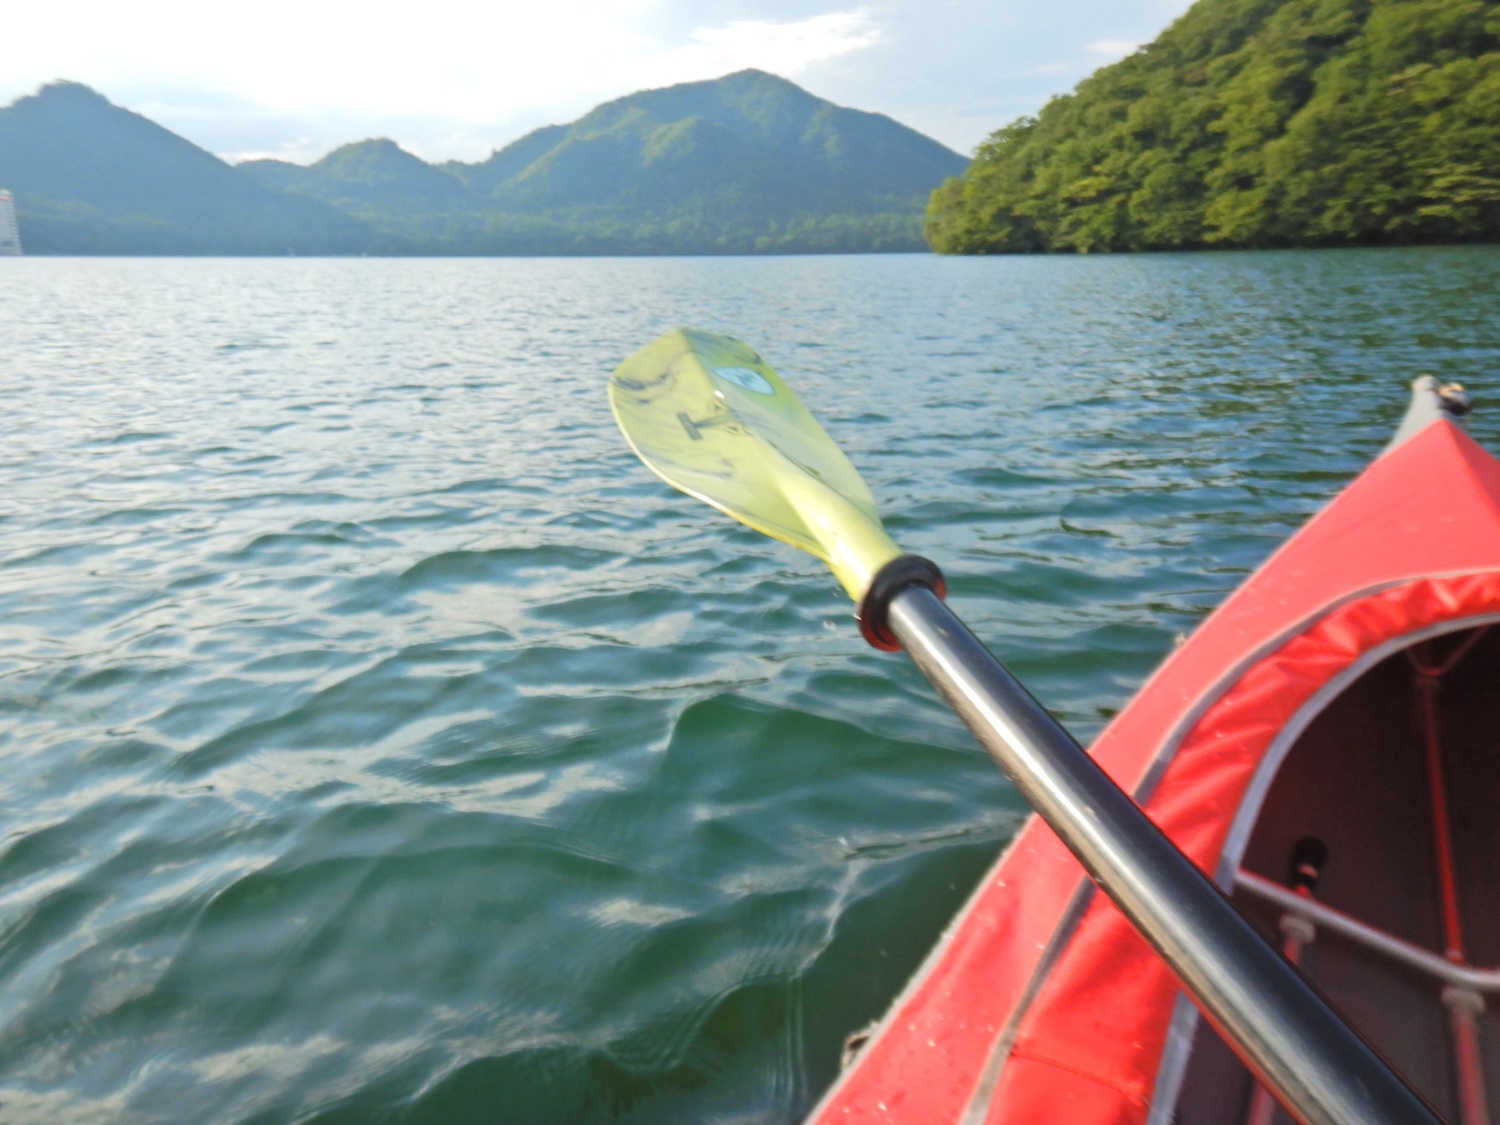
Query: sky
[453, 79]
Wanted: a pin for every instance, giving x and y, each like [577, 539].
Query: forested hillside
[92, 178]
[1255, 123]
[745, 163]
[748, 163]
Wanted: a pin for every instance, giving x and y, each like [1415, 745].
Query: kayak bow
[1323, 744]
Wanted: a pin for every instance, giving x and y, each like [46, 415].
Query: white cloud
[782, 48]
[1112, 48]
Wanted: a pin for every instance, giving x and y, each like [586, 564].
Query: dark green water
[381, 743]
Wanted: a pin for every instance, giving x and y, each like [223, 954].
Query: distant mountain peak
[67, 97]
[66, 89]
[371, 152]
[93, 177]
[750, 76]
[749, 136]
[382, 145]
[375, 174]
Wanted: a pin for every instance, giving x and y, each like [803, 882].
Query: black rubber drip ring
[874, 608]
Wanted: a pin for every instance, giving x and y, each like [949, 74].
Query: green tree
[1254, 123]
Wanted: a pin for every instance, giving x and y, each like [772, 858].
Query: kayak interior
[1383, 809]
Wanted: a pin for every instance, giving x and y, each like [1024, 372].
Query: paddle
[709, 416]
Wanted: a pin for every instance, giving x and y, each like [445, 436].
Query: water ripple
[383, 744]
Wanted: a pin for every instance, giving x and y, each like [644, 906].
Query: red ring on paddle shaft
[874, 609]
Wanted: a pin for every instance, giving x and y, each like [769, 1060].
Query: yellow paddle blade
[710, 417]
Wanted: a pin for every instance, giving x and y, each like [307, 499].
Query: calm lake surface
[380, 742]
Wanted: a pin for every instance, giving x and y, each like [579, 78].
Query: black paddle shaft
[1316, 1064]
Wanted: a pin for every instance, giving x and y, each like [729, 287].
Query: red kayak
[1321, 746]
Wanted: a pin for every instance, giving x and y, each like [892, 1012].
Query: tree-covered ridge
[366, 176]
[748, 163]
[1253, 123]
[768, 141]
[92, 178]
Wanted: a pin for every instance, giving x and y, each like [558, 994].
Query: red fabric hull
[1412, 543]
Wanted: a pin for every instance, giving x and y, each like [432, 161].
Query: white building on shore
[10, 234]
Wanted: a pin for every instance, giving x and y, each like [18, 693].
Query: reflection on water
[381, 743]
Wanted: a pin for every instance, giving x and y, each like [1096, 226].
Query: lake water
[380, 742]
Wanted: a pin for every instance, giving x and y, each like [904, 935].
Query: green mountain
[510, 161]
[751, 136]
[749, 162]
[1255, 123]
[367, 177]
[92, 178]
